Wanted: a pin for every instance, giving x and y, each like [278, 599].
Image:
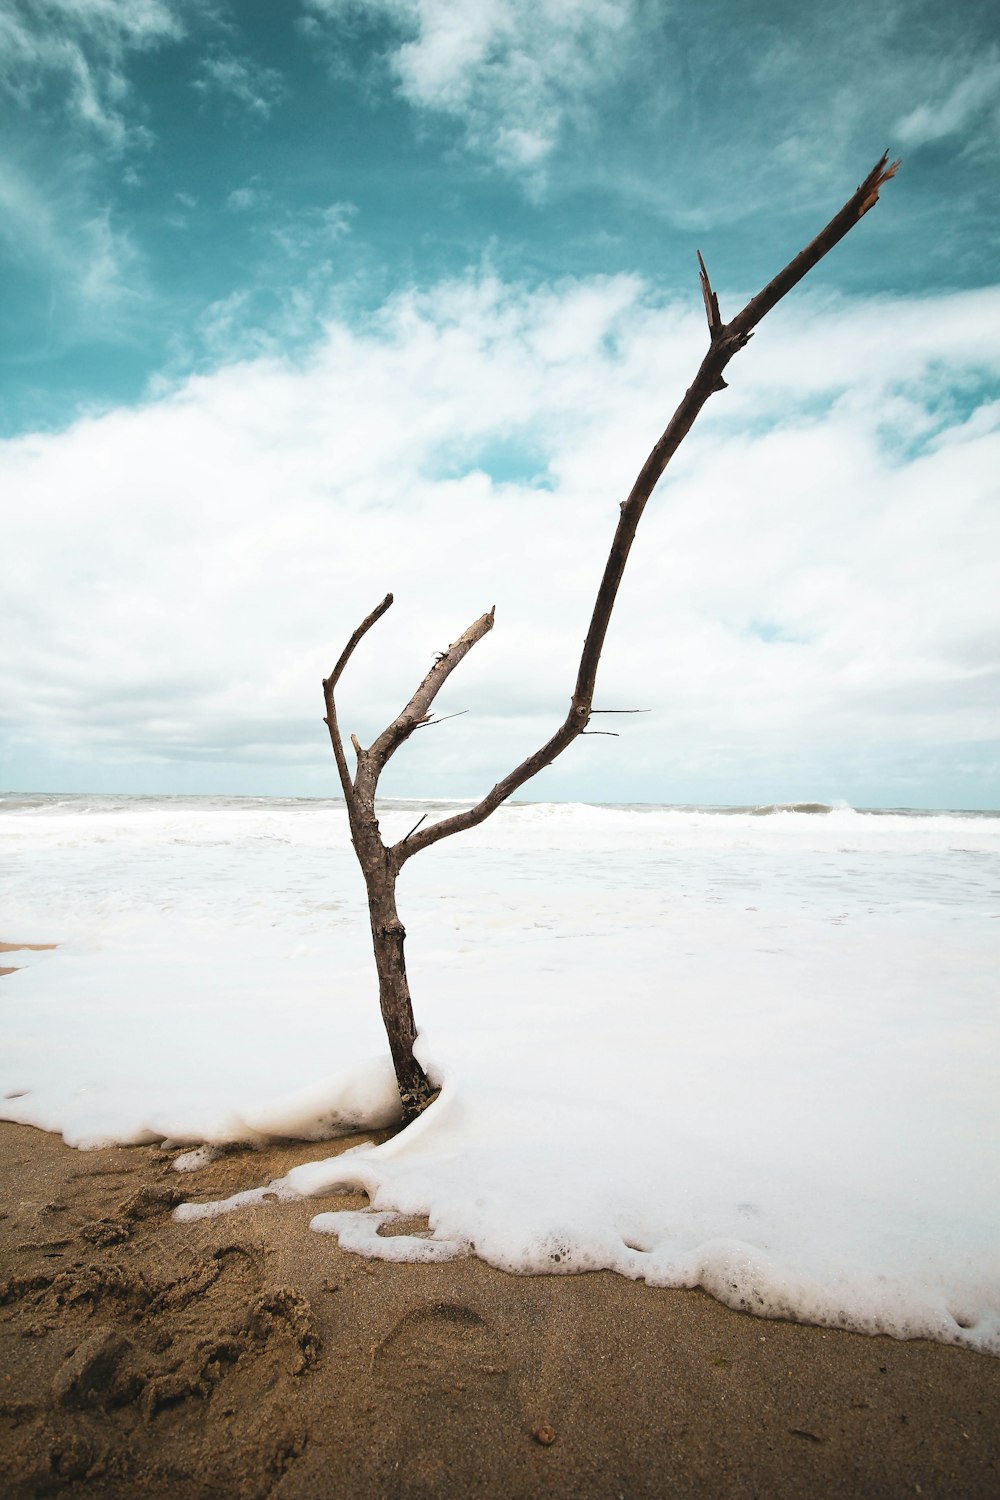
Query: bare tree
[381, 863]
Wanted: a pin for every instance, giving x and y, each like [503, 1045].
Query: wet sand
[21, 948]
[248, 1356]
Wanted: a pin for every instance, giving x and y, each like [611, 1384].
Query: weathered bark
[380, 863]
[388, 937]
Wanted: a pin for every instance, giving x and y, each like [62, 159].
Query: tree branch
[416, 712]
[330, 683]
[853, 211]
[726, 341]
[359, 634]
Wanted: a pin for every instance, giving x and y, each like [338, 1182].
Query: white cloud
[811, 596]
[517, 74]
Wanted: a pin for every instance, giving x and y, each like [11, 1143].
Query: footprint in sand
[444, 1390]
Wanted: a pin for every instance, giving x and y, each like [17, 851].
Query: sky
[304, 302]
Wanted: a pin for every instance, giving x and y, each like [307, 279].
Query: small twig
[621, 711]
[715, 324]
[414, 828]
[612, 732]
[426, 723]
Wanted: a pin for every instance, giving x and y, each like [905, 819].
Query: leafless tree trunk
[381, 863]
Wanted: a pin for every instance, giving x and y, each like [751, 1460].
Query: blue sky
[302, 302]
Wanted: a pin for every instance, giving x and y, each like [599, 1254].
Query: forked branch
[416, 714]
[381, 864]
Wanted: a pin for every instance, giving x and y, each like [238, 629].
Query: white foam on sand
[757, 1054]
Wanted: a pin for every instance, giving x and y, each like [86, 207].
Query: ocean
[752, 1049]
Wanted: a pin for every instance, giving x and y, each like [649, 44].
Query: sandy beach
[245, 1355]
[15, 948]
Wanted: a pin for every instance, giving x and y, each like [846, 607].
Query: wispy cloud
[248, 83]
[91, 258]
[106, 275]
[309, 234]
[250, 196]
[286, 290]
[518, 75]
[65, 67]
[968, 98]
[81, 49]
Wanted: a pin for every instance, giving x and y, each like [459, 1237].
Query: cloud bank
[810, 609]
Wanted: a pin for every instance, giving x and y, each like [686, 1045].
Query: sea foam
[753, 1053]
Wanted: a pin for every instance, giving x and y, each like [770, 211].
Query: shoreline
[246, 1355]
[21, 948]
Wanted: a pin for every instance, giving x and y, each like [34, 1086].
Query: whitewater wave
[756, 1053]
